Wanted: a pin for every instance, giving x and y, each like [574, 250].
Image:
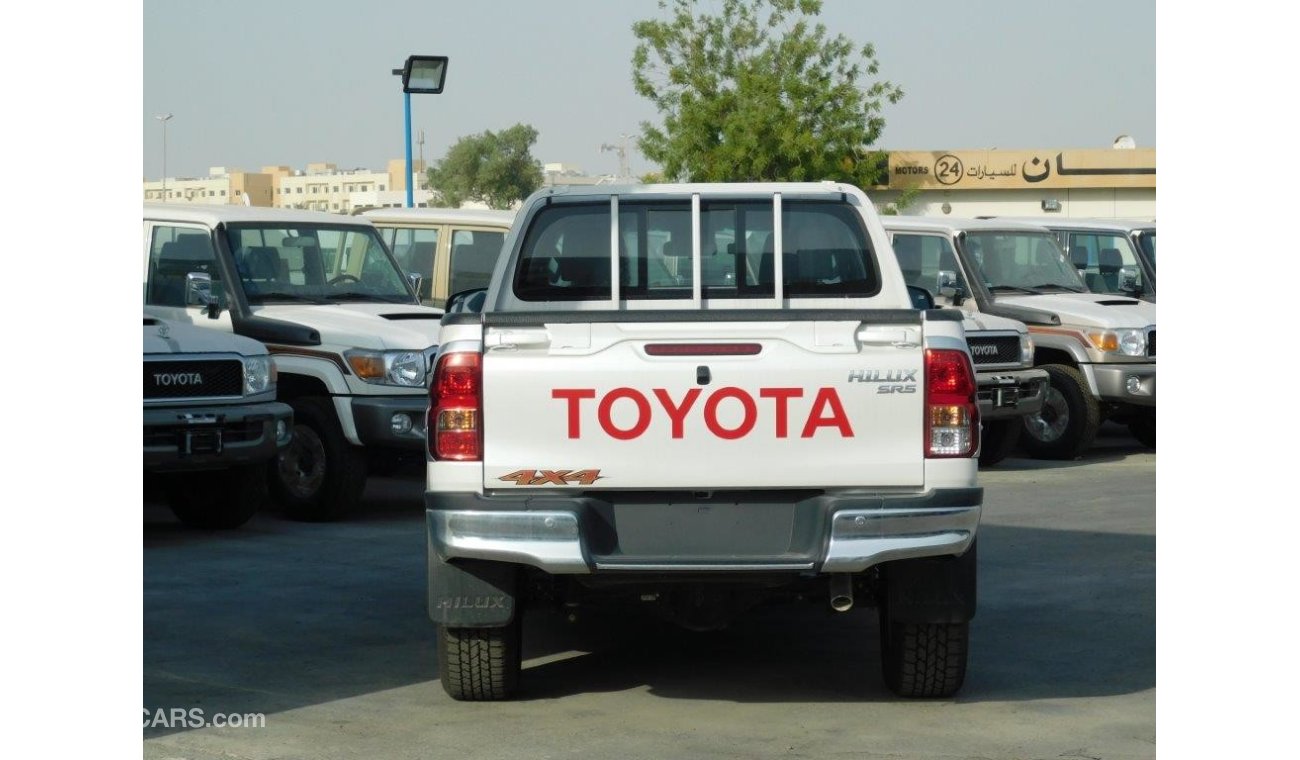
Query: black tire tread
[478, 664]
[925, 660]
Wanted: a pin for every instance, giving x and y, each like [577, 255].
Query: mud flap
[931, 590]
[471, 593]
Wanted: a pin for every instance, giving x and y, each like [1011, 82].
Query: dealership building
[1117, 182]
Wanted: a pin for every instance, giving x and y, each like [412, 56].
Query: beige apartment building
[221, 186]
[320, 187]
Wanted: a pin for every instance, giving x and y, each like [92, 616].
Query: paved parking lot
[322, 629]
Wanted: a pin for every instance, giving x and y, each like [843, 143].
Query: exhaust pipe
[841, 586]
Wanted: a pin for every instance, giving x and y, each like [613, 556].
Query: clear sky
[255, 83]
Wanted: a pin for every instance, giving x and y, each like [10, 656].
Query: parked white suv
[350, 339]
[1115, 256]
[211, 422]
[452, 249]
[1099, 350]
[1010, 387]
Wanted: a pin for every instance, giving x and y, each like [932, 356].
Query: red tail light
[455, 424]
[951, 412]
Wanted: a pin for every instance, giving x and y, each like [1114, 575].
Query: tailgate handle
[702, 375]
[901, 338]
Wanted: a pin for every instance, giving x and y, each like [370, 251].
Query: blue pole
[410, 189]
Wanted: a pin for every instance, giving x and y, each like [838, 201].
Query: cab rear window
[567, 253]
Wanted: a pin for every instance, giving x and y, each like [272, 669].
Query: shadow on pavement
[1113, 443]
[1089, 631]
[282, 615]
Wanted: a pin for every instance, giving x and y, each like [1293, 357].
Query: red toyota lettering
[827, 411]
[782, 397]
[642, 412]
[574, 396]
[746, 423]
[827, 397]
[677, 413]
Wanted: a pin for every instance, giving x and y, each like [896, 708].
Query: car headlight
[1026, 349]
[259, 374]
[402, 368]
[1126, 342]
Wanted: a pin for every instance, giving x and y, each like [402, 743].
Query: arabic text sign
[1008, 169]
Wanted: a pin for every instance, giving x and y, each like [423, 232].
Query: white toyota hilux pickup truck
[696, 398]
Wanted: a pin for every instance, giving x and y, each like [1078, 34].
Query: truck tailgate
[703, 404]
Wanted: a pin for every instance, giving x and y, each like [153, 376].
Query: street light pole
[421, 74]
[410, 178]
[164, 118]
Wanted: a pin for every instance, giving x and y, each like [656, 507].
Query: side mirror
[198, 292]
[468, 301]
[949, 288]
[921, 298]
[416, 279]
[1128, 280]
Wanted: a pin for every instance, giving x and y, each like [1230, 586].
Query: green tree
[758, 92]
[494, 168]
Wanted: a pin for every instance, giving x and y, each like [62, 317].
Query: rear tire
[319, 476]
[923, 660]
[217, 499]
[997, 440]
[1143, 428]
[479, 664]
[1068, 421]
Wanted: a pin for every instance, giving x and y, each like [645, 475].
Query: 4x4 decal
[552, 477]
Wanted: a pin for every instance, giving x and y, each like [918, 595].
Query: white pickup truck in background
[695, 398]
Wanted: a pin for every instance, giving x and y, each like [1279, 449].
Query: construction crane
[623, 169]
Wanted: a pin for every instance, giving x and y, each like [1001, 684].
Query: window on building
[381, 188]
[300, 191]
[223, 193]
[336, 188]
